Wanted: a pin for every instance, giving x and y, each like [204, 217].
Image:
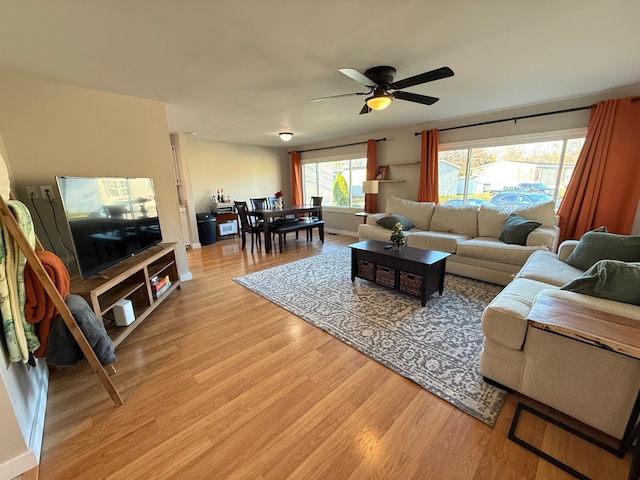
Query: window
[337, 181]
[511, 173]
[114, 188]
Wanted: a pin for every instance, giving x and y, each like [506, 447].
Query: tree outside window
[338, 182]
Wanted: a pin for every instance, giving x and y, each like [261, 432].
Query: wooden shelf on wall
[390, 181]
[404, 163]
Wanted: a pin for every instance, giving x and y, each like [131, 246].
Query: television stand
[131, 279]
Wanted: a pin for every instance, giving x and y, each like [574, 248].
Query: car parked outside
[470, 201]
[536, 187]
[511, 200]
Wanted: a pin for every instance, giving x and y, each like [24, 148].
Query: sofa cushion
[544, 266]
[504, 321]
[390, 221]
[493, 250]
[595, 246]
[372, 219]
[516, 229]
[461, 219]
[419, 213]
[491, 220]
[542, 212]
[610, 279]
[376, 232]
[546, 237]
[440, 241]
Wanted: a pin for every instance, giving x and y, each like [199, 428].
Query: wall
[402, 146]
[51, 129]
[23, 400]
[242, 171]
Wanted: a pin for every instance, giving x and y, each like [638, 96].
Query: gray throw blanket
[62, 348]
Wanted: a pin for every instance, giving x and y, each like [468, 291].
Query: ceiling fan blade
[365, 109]
[414, 97]
[319, 99]
[358, 77]
[425, 77]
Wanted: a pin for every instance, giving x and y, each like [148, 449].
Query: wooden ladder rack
[10, 222]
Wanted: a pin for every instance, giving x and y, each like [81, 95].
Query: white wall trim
[18, 465]
[341, 232]
[516, 139]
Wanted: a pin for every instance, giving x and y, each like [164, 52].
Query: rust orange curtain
[371, 199]
[605, 186]
[296, 179]
[428, 186]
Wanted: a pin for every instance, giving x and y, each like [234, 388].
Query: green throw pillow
[595, 246]
[516, 229]
[610, 279]
[390, 221]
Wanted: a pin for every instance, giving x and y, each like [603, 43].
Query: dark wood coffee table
[412, 270]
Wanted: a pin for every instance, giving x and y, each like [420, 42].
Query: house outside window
[510, 172]
[337, 180]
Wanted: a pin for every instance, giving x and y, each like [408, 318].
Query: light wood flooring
[219, 383]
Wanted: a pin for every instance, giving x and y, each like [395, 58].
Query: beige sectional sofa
[470, 234]
[591, 384]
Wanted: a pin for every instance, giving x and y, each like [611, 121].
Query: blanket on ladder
[20, 335]
[39, 308]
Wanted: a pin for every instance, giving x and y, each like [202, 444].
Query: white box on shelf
[123, 313]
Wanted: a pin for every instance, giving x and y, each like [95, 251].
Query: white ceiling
[242, 71]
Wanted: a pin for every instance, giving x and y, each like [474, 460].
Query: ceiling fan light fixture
[379, 101]
[285, 136]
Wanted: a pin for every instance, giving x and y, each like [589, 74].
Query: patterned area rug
[438, 346]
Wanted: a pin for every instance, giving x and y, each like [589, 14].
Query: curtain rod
[338, 146]
[515, 119]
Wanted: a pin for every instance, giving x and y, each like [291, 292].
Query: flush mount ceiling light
[380, 100]
[285, 136]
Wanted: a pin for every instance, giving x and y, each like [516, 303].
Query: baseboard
[37, 429]
[30, 458]
[19, 464]
[341, 232]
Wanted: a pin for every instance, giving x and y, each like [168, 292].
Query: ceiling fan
[379, 81]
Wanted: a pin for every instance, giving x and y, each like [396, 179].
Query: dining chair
[317, 202]
[313, 217]
[260, 203]
[248, 225]
[272, 202]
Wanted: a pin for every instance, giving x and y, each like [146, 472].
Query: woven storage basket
[386, 276]
[411, 283]
[366, 270]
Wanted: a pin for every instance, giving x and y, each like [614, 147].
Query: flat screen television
[109, 219]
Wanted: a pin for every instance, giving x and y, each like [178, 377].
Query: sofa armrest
[565, 249]
[544, 236]
[374, 217]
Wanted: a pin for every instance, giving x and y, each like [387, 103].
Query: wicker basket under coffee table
[412, 270]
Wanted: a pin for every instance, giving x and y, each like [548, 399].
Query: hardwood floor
[220, 383]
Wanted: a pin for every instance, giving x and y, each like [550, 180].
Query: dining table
[267, 214]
